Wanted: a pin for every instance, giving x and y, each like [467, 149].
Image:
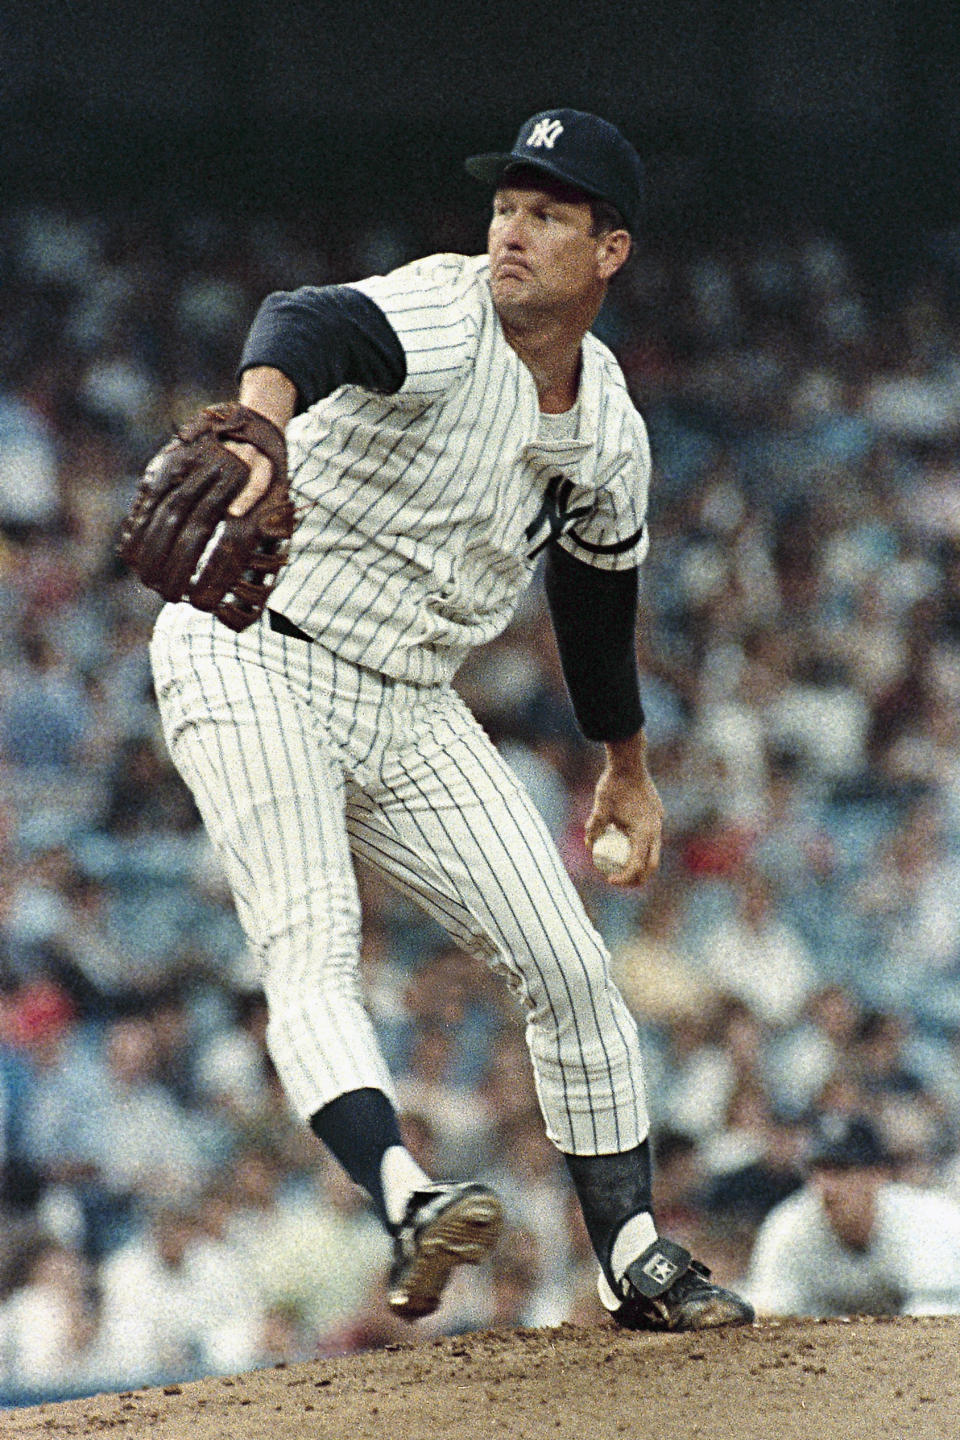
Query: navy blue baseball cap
[579, 150]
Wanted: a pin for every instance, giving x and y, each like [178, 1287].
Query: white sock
[400, 1176]
[633, 1237]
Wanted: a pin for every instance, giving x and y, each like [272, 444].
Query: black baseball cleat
[443, 1227]
[666, 1289]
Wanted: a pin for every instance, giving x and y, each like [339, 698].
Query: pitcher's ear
[614, 251]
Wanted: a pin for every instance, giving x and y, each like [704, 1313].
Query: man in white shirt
[854, 1241]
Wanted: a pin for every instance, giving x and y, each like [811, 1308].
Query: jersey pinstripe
[422, 513]
[300, 760]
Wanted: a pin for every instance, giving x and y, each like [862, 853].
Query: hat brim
[487, 168]
[492, 168]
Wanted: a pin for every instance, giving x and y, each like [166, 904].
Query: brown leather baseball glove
[180, 540]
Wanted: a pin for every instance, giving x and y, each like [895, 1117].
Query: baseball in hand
[611, 850]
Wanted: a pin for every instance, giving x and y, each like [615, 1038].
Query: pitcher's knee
[571, 988]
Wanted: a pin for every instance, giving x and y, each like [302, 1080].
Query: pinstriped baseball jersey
[423, 512]
[422, 507]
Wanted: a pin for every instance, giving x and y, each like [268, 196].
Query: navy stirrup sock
[359, 1128]
[611, 1189]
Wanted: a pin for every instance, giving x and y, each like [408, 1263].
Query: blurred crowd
[161, 1214]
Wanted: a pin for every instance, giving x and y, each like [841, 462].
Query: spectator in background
[18, 1182]
[653, 967]
[677, 1194]
[139, 1143]
[536, 1196]
[428, 1085]
[702, 1055]
[900, 901]
[275, 1221]
[50, 1324]
[804, 1057]
[519, 1287]
[171, 1308]
[757, 955]
[748, 1191]
[854, 1240]
[58, 1083]
[44, 712]
[29, 498]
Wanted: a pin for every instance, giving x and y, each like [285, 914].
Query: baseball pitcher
[445, 425]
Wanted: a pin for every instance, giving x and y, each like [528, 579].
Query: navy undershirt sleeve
[322, 337]
[594, 614]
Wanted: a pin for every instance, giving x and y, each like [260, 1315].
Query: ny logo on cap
[545, 133]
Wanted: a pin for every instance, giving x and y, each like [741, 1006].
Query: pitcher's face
[544, 256]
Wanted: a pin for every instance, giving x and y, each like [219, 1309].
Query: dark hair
[605, 217]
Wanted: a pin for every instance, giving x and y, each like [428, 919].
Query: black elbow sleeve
[594, 615]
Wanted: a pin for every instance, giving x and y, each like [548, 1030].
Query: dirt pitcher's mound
[796, 1380]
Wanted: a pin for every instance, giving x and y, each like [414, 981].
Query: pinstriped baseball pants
[299, 762]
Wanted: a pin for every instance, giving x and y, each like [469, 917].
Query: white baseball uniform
[421, 516]
[911, 1266]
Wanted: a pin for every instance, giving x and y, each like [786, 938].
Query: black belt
[283, 626]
